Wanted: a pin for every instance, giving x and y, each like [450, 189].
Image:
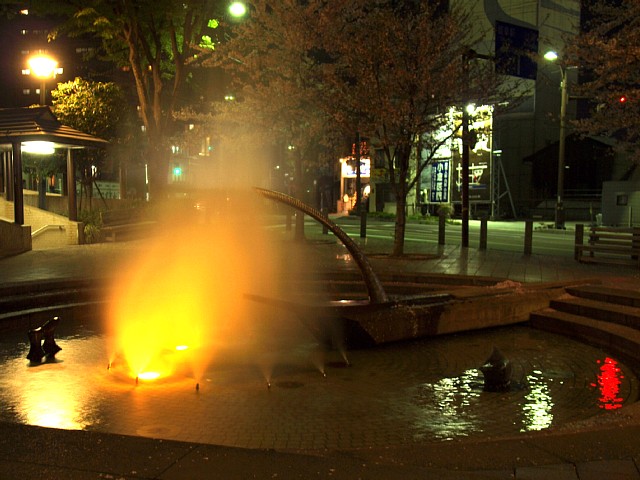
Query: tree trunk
[402, 157]
[401, 222]
[157, 167]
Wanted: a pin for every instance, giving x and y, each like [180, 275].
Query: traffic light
[622, 99]
[177, 170]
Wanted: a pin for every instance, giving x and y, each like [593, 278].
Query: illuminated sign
[349, 167]
[440, 182]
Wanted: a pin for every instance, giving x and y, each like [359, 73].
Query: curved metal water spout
[374, 287]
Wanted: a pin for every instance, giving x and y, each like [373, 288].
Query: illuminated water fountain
[200, 309]
[184, 300]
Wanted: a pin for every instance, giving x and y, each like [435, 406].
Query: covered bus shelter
[25, 129]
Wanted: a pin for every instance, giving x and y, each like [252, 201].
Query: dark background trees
[607, 54]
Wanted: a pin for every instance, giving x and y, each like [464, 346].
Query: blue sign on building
[440, 182]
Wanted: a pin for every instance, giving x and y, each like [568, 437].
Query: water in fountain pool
[409, 392]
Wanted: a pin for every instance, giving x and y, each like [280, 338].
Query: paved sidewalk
[591, 449]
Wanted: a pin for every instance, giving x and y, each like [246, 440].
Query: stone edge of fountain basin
[458, 305]
[27, 305]
[443, 311]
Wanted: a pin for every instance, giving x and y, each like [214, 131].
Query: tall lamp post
[43, 67]
[559, 218]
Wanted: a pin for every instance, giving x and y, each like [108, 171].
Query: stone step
[598, 310]
[617, 296]
[618, 339]
[15, 303]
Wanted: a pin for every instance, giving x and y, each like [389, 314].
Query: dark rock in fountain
[50, 346]
[35, 340]
[39, 349]
[497, 372]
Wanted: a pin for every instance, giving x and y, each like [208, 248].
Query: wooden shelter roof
[40, 124]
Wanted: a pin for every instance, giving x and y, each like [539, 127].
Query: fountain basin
[406, 393]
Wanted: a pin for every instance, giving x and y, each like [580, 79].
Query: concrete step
[618, 339]
[598, 310]
[617, 296]
[16, 303]
[22, 309]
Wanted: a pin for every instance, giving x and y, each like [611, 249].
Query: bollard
[442, 221]
[578, 241]
[363, 223]
[528, 237]
[483, 233]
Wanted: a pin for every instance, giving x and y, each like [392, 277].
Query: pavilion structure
[23, 129]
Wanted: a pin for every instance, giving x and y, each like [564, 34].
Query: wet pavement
[414, 410]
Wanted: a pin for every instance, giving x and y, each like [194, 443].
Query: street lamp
[43, 67]
[552, 56]
[237, 9]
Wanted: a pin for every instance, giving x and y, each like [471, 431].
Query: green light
[177, 171]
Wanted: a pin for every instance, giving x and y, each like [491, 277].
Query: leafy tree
[608, 55]
[97, 108]
[397, 69]
[387, 69]
[154, 40]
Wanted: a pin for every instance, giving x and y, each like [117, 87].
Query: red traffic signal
[622, 99]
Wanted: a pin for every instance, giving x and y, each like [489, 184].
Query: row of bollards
[42, 343]
[528, 234]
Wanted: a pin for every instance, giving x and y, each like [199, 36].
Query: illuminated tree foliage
[97, 108]
[608, 56]
[387, 69]
[156, 41]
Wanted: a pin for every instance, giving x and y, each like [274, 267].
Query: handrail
[41, 230]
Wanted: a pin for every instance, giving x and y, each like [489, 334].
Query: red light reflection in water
[609, 381]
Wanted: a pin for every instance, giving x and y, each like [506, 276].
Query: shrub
[92, 220]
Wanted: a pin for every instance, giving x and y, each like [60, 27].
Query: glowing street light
[237, 9]
[43, 67]
[552, 56]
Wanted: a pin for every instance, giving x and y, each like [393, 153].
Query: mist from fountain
[181, 302]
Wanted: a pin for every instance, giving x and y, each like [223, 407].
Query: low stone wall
[14, 238]
[48, 229]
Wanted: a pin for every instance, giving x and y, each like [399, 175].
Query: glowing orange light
[168, 313]
[148, 375]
